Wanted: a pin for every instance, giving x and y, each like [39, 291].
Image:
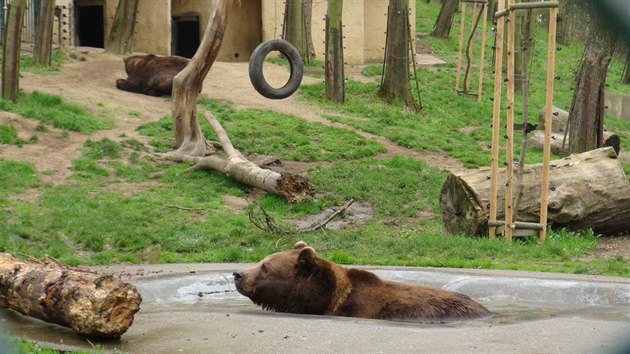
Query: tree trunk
[625, 76]
[335, 85]
[395, 82]
[293, 188]
[189, 139]
[92, 304]
[444, 21]
[119, 40]
[588, 190]
[586, 115]
[295, 29]
[11, 50]
[308, 20]
[42, 50]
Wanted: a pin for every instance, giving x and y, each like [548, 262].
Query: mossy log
[587, 190]
[93, 305]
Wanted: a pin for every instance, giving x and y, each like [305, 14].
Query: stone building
[175, 27]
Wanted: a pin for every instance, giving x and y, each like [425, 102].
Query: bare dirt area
[91, 83]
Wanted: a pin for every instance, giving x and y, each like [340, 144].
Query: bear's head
[294, 281]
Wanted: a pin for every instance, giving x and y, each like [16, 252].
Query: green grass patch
[8, 135]
[397, 187]
[15, 177]
[57, 59]
[51, 109]
[289, 137]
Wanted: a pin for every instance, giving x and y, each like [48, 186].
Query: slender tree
[188, 83]
[42, 50]
[335, 89]
[586, 116]
[395, 81]
[444, 21]
[11, 50]
[120, 38]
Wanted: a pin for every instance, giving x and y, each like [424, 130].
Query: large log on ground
[93, 305]
[588, 190]
[559, 138]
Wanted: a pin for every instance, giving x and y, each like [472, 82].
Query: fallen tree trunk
[559, 137]
[560, 145]
[292, 187]
[587, 190]
[93, 305]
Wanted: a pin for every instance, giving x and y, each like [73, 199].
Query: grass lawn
[122, 204]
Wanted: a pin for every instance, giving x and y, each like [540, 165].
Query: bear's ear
[306, 260]
[299, 245]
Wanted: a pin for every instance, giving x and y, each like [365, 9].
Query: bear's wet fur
[297, 281]
[151, 74]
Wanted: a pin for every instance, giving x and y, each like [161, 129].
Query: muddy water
[513, 300]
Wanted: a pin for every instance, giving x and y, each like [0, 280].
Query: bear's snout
[238, 275]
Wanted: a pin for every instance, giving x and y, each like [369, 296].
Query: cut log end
[461, 211]
[294, 188]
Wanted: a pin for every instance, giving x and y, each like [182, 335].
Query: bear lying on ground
[297, 281]
[150, 74]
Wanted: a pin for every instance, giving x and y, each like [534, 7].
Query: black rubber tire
[256, 69]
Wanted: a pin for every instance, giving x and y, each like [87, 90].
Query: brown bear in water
[150, 74]
[297, 281]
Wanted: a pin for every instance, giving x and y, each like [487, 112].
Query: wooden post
[496, 118]
[483, 51]
[461, 45]
[551, 56]
[334, 65]
[42, 50]
[509, 122]
[11, 50]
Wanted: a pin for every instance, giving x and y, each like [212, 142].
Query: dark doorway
[90, 26]
[185, 35]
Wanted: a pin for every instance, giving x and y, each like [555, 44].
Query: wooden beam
[509, 122]
[496, 119]
[461, 44]
[551, 56]
[483, 50]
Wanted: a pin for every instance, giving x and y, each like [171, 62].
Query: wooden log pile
[588, 190]
[92, 304]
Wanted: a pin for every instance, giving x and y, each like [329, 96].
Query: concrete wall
[251, 22]
[618, 105]
[365, 23]
[153, 26]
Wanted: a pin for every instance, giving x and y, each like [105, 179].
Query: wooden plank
[518, 224]
[509, 121]
[483, 50]
[462, 25]
[526, 6]
[496, 119]
[551, 57]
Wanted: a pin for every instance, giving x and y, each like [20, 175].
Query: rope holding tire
[256, 69]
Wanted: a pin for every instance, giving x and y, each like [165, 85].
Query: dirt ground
[91, 83]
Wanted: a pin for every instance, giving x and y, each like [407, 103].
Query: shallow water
[512, 299]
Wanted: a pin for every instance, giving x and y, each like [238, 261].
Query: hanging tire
[256, 69]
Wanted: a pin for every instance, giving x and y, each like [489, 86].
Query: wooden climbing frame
[509, 227]
[479, 8]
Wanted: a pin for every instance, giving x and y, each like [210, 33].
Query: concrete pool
[194, 308]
